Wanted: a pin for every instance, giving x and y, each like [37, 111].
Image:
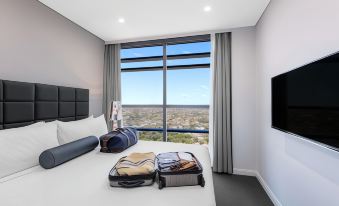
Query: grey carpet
[237, 190]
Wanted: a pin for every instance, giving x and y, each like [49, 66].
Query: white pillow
[31, 125]
[71, 131]
[20, 147]
[88, 118]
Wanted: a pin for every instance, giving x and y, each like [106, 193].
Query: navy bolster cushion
[58, 155]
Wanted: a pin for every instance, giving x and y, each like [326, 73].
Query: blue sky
[184, 87]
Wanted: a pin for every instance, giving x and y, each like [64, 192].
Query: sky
[184, 87]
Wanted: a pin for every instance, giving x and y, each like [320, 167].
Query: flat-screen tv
[305, 101]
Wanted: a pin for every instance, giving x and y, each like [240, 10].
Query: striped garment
[136, 164]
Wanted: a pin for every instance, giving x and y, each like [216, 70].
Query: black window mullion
[140, 69]
[164, 110]
[169, 57]
[170, 41]
[176, 67]
[141, 59]
[189, 56]
[189, 66]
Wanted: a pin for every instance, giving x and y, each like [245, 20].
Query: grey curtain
[222, 125]
[111, 79]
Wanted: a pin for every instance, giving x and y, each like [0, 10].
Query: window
[165, 88]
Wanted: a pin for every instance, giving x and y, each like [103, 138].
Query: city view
[177, 118]
[187, 82]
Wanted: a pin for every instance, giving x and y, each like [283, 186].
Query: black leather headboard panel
[25, 103]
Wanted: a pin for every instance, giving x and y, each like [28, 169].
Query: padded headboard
[25, 103]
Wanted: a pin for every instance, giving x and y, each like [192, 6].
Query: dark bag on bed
[118, 140]
[179, 169]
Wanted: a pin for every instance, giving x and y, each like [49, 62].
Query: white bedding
[84, 181]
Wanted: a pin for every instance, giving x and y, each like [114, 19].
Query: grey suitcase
[168, 178]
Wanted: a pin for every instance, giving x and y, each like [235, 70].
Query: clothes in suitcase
[134, 170]
[118, 140]
[179, 169]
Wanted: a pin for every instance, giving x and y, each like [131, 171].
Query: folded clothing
[166, 160]
[136, 164]
[176, 161]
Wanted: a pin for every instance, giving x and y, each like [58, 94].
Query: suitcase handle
[131, 184]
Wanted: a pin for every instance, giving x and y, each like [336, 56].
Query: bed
[84, 180]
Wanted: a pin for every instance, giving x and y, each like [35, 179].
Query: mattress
[84, 181]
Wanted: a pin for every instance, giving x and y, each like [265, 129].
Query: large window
[166, 88]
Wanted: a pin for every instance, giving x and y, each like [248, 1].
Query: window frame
[164, 57]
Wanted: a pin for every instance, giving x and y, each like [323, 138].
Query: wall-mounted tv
[305, 101]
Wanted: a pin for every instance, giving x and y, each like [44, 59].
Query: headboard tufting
[25, 103]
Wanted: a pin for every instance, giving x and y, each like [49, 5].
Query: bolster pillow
[55, 156]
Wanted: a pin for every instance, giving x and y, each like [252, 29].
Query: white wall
[290, 34]
[39, 45]
[243, 100]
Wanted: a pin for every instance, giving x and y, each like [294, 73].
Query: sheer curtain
[111, 79]
[221, 104]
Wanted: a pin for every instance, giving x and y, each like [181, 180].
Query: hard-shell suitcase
[118, 140]
[130, 181]
[168, 178]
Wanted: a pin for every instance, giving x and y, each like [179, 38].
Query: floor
[239, 191]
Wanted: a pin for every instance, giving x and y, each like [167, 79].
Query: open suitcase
[116, 180]
[170, 178]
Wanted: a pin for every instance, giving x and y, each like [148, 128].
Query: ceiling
[155, 18]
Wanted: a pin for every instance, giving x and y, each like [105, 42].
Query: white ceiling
[154, 18]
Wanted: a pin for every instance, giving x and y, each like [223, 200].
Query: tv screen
[305, 101]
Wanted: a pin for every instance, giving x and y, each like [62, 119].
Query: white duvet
[84, 181]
